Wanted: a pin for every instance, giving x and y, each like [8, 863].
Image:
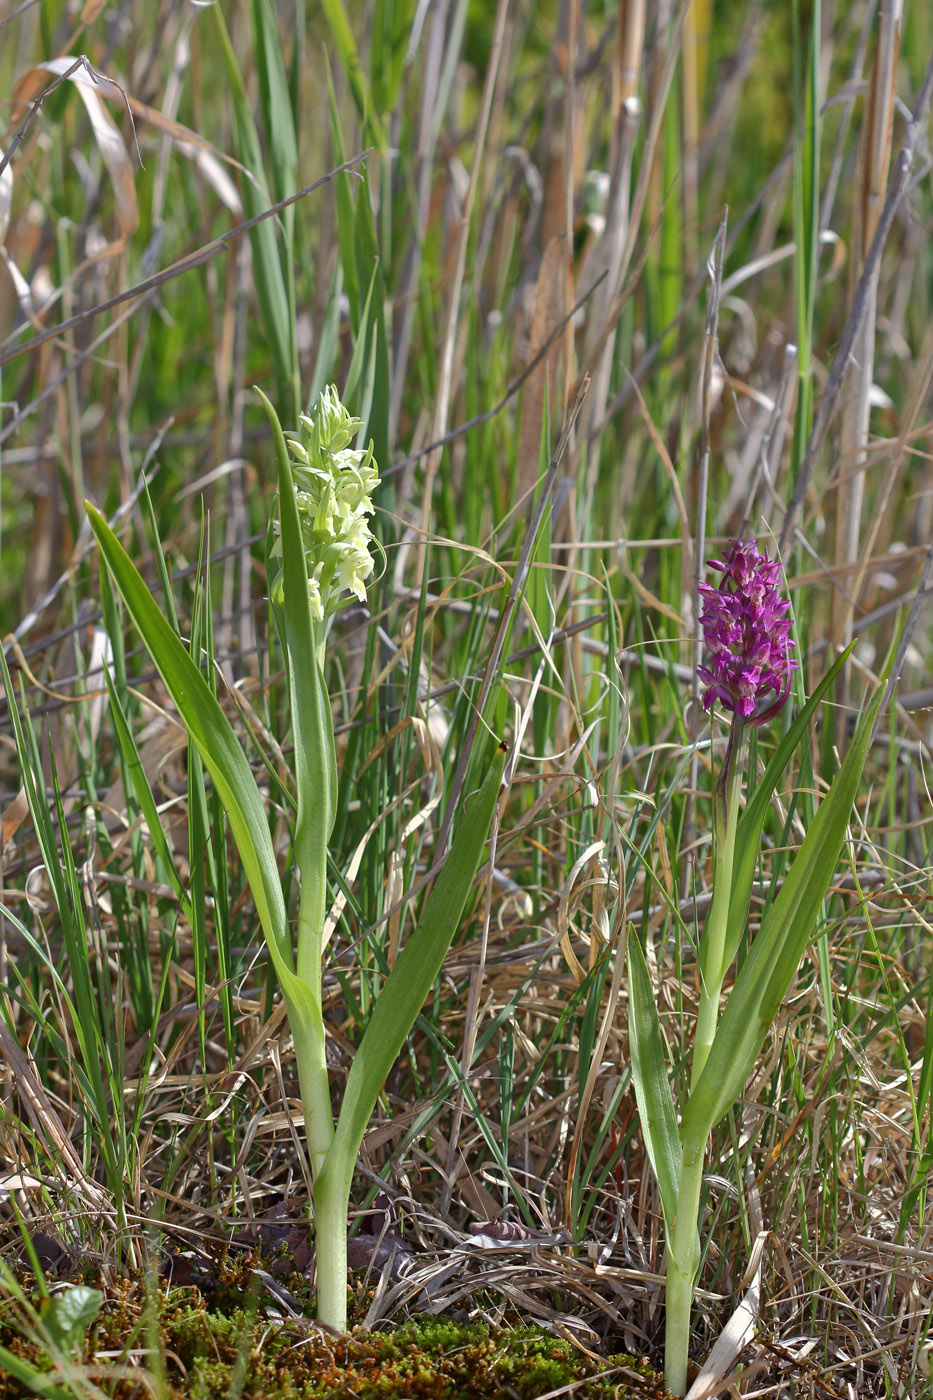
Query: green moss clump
[237, 1350]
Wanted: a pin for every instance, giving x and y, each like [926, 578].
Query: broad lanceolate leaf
[213, 737]
[775, 955]
[652, 1085]
[412, 977]
[748, 835]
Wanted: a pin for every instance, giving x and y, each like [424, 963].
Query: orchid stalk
[746, 625]
[319, 549]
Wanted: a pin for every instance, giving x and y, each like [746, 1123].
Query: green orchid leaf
[788, 927]
[652, 1084]
[411, 979]
[748, 834]
[213, 737]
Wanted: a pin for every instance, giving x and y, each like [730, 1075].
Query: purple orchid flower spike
[746, 628]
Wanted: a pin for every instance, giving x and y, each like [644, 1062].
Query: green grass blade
[98, 1034]
[280, 122]
[200, 855]
[276, 106]
[391, 28]
[349, 56]
[328, 340]
[89, 1029]
[498, 1147]
[214, 822]
[134, 772]
[369, 264]
[267, 261]
[36, 1382]
[151, 521]
[806, 215]
[353, 388]
[346, 214]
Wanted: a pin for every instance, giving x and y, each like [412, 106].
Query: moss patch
[233, 1347]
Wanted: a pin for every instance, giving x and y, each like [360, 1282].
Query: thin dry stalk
[610, 253]
[693, 71]
[649, 161]
[853, 437]
[829, 402]
[446, 372]
[434, 97]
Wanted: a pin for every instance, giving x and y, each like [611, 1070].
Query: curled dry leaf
[502, 1230]
[92, 87]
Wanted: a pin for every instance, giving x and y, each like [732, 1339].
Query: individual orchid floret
[334, 484]
[746, 630]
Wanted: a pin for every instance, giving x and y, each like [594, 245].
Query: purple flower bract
[746, 626]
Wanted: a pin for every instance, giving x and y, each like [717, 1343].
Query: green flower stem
[331, 1206]
[311, 1056]
[726, 800]
[682, 1264]
[684, 1241]
[330, 1210]
[309, 1039]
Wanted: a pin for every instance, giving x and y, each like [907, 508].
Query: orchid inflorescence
[334, 485]
[748, 669]
[746, 629]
